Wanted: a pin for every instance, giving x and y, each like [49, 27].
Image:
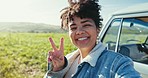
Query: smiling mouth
[84, 38]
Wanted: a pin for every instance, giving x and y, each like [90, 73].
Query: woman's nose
[79, 31]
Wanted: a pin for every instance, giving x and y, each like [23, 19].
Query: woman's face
[83, 32]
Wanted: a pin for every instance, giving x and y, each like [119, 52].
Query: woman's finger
[57, 62]
[53, 44]
[50, 54]
[62, 44]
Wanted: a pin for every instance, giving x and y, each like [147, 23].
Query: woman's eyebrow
[72, 24]
[86, 21]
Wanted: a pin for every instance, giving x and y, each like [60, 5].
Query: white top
[73, 68]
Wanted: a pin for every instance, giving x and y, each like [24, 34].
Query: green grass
[23, 55]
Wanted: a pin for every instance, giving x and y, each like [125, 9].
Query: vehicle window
[134, 39]
[111, 34]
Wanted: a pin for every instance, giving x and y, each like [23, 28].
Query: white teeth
[82, 38]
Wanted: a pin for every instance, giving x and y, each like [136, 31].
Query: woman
[91, 59]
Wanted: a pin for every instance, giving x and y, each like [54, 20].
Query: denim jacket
[99, 63]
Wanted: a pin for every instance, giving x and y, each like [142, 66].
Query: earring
[97, 40]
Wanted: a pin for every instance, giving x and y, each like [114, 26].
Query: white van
[126, 32]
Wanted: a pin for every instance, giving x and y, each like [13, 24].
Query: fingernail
[49, 60]
[62, 38]
[50, 38]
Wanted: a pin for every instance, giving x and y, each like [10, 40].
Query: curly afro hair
[83, 9]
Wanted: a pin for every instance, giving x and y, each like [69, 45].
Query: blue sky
[48, 11]
[110, 6]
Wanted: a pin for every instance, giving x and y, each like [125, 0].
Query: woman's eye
[73, 28]
[87, 25]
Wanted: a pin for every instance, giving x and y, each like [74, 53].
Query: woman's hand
[57, 55]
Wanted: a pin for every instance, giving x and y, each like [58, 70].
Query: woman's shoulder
[112, 58]
[114, 55]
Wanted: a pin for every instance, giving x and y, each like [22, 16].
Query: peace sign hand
[57, 55]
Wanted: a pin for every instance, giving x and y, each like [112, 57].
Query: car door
[133, 42]
[128, 36]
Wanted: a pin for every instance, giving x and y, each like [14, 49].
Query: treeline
[29, 27]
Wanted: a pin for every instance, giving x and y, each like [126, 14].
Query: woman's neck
[84, 53]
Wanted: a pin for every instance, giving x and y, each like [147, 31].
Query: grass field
[23, 55]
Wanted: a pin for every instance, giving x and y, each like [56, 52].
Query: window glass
[111, 34]
[133, 39]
